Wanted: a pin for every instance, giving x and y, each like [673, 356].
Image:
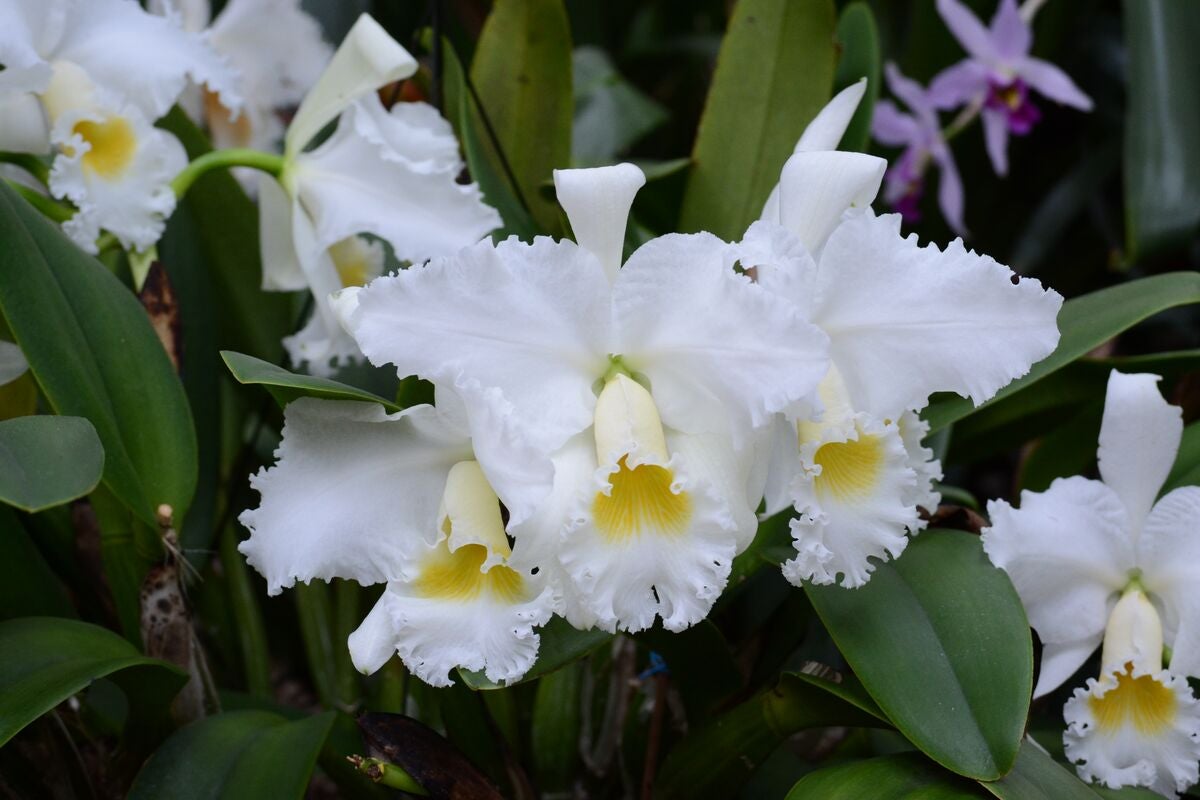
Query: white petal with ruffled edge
[928, 469]
[147, 59]
[530, 320]
[720, 352]
[412, 133]
[1068, 555]
[117, 169]
[1138, 729]
[854, 498]
[1139, 437]
[905, 321]
[1169, 557]
[351, 185]
[352, 494]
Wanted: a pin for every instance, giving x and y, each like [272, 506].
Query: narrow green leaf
[128, 547]
[1162, 124]
[716, 758]
[239, 754]
[1069, 449]
[940, 641]
[94, 354]
[858, 36]
[247, 617]
[45, 660]
[28, 586]
[47, 461]
[907, 776]
[554, 728]
[522, 73]
[286, 386]
[1186, 471]
[1085, 323]
[315, 613]
[560, 645]
[774, 73]
[1037, 776]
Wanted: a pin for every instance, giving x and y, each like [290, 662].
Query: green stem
[30, 163]
[346, 603]
[316, 631]
[393, 687]
[964, 119]
[224, 159]
[251, 632]
[49, 207]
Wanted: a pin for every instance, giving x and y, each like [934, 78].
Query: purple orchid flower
[999, 73]
[920, 134]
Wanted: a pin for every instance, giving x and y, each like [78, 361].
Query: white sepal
[597, 202]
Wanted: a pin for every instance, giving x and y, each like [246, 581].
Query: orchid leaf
[286, 386]
[46, 461]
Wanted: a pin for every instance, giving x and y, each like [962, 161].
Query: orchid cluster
[606, 428]
[995, 84]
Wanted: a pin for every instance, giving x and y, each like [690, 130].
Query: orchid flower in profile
[389, 174]
[903, 321]
[643, 383]
[412, 499]
[89, 78]
[1086, 555]
[920, 135]
[1000, 74]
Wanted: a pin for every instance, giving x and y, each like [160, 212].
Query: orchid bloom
[89, 77]
[903, 321]
[643, 383]
[278, 52]
[999, 74]
[1089, 551]
[412, 499]
[920, 134]
[390, 174]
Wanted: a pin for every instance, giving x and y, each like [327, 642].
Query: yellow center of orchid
[352, 257]
[459, 577]
[641, 500]
[1142, 702]
[849, 470]
[112, 146]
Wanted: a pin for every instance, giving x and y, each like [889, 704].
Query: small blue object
[657, 666]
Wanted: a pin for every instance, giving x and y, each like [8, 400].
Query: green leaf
[93, 352]
[28, 586]
[251, 320]
[1162, 124]
[774, 73]
[522, 73]
[1069, 449]
[1186, 471]
[1085, 323]
[560, 645]
[554, 728]
[47, 461]
[899, 777]
[611, 114]
[45, 660]
[940, 640]
[716, 758]
[1037, 776]
[239, 754]
[859, 38]
[286, 386]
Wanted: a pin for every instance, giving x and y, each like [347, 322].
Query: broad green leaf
[1186, 471]
[45, 660]
[47, 461]
[226, 222]
[522, 74]
[94, 354]
[1069, 449]
[28, 586]
[286, 386]
[560, 645]
[1128, 793]
[858, 36]
[774, 73]
[940, 641]
[907, 776]
[1037, 776]
[555, 725]
[716, 758]
[1085, 323]
[238, 754]
[610, 113]
[1162, 124]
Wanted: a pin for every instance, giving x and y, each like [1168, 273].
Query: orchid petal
[816, 188]
[905, 321]
[966, 27]
[995, 136]
[367, 59]
[12, 362]
[958, 84]
[713, 345]
[281, 267]
[374, 641]
[827, 128]
[911, 93]
[1050, 81]
[892, 127]
[1011, 35]
[414, 134]
[597, 202]
[23, 127]
[354, 493]
[1061, 660]
[1169, 557]
[1139, 437]
[950, 189]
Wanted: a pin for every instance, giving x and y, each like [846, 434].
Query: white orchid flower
[391, 174]
[90, 77]
[903, 321]
[411, 499]
[641, 381]
[1139, 724]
